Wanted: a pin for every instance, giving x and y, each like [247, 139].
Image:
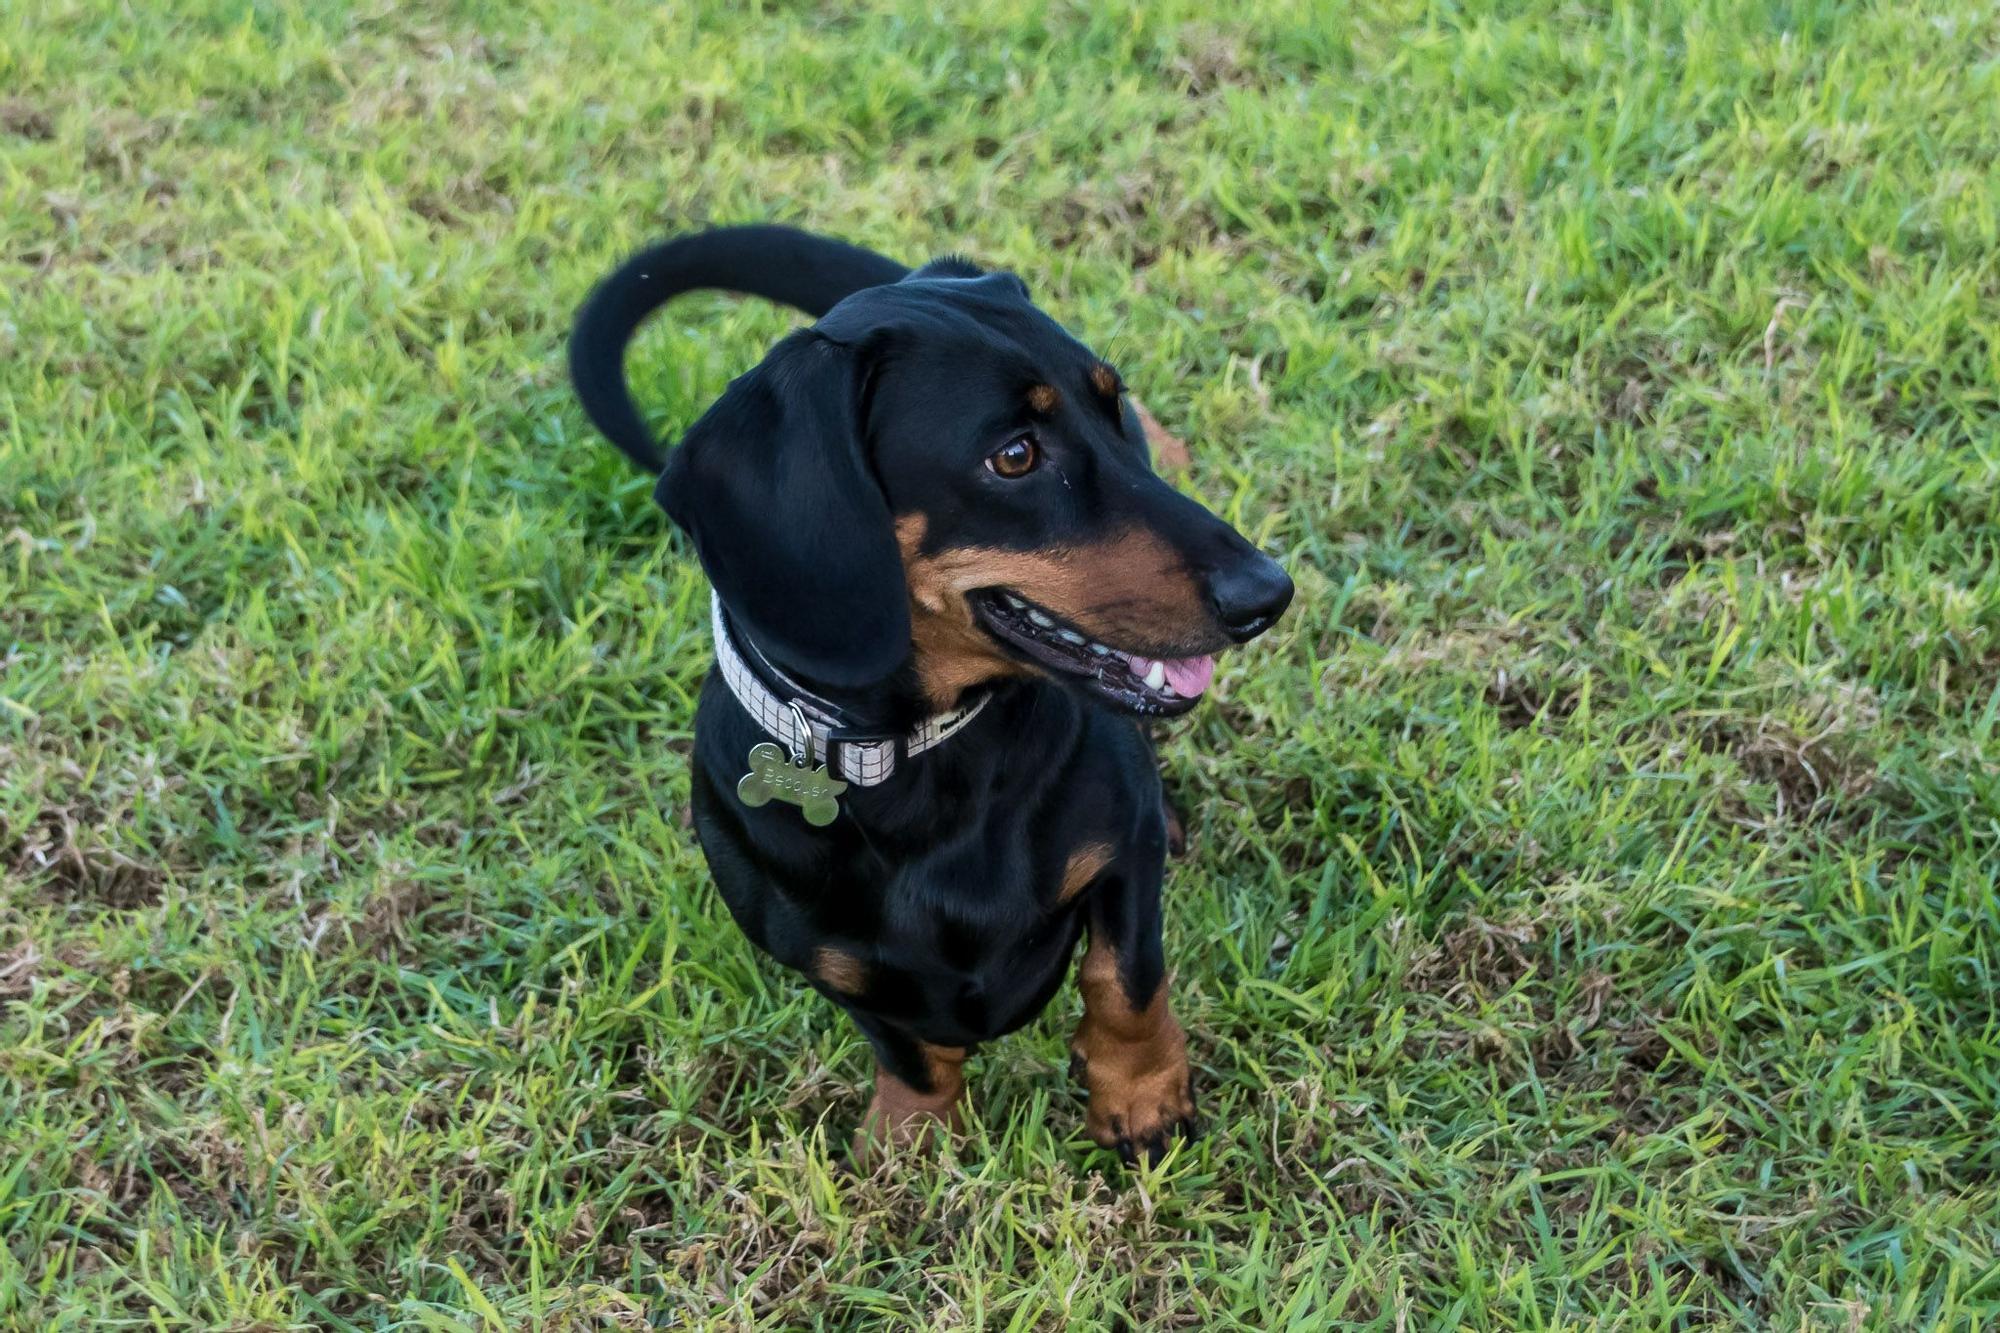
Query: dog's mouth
[1149, 686]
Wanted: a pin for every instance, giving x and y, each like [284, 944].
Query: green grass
[1591, 921]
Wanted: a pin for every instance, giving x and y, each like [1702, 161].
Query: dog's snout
[1249, 595]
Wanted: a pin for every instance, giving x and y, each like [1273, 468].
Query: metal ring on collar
[802, 744]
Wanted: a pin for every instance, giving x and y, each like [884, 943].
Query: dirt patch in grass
[1812, 778]
[1209, 59]
[1597, 1038]
[24, 964]
[1477, 955]
[61, 853]
[26, 121]
[384, 925]
[1522, 702]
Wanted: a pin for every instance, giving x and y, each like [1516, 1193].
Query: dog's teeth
[1100, 650]
[1069, 636]
[1038, 618]
[1157, 676]
[1013, 601]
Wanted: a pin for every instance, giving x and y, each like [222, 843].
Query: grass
[1591, 917]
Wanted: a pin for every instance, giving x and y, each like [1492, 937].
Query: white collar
[862, 762]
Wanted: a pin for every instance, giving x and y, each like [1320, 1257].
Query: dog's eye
[1016, 458]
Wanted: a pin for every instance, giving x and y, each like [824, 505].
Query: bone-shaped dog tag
[774, 776]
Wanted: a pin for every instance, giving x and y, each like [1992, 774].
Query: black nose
[1249, 595]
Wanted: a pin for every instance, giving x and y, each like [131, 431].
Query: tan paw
[1137, 1106]
[886, 1132]
[901, 1117]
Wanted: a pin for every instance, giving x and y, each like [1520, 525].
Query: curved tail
[782, 264]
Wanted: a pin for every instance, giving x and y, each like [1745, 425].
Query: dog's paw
[886, 1132]
[905, 1118]
[1137, 1111]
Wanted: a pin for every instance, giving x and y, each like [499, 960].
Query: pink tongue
[1189, 675]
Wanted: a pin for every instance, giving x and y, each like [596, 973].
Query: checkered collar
[862, 759]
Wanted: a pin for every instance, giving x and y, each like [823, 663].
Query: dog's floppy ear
[774, 486]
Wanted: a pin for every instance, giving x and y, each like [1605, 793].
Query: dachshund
[948, 591]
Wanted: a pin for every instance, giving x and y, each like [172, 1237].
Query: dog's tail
[783, 264]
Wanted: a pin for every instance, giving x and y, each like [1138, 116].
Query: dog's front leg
[919, 1088]
[1129, 1049]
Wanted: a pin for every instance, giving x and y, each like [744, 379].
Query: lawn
[1590, 917]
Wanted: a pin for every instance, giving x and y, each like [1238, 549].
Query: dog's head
[937, 476]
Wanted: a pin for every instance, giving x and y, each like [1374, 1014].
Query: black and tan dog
[945, 571]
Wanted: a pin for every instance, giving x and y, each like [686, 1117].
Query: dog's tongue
[1189, 675]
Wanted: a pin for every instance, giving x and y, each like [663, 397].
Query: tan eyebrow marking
[1105, 380]
[1043, 398]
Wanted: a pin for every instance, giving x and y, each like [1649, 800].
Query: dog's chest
[968, 916]
[968, 959]
[971, 893]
